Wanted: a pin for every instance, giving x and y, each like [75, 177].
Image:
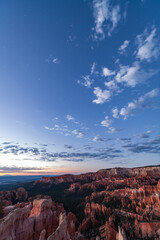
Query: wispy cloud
[78, 133]
[148, 45]
[52, 59]
[55, 60]
[141, 103]
[125, 139]
[122, 48]
[38, 153]
[10, 169]
[70, 118]
[93, 68]
[113, 130]
[72, 38]
[106, 122]
[72, 128]
[151, 146]
[68, 146]
[106, 16]
[106, 72]
[102, 95]
[86, 81]
[98, 139]
[145, 135]
[111, 85]
[74, 160]
[115, 112]
[133, 75]
[48, 128]
[63, 129]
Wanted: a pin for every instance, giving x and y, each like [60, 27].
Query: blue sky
[79, 85]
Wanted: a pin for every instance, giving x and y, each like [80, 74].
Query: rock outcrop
[66, 228]
[101, 174]
[111, 204]
[28, 222]
[13, 196]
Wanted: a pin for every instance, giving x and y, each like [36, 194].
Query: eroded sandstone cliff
[111, 204]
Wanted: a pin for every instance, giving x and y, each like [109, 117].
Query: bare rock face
[118, 204]
[108, 232]
[28, 222]
[43, 235]
[13, 196]
[91, 210]
[121, 234]
[66, 228]
[17, 224]
[148, 229]
[44, 216]
[40, 220]
[101, 174]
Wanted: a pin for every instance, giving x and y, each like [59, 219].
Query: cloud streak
[133, 75]
[41, 154]
[106, 16]
[122, 48]
[86, 81]
[141, 103]
[102, 96]
[152, 146]
[148, 45]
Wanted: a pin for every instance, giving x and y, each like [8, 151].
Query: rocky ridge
[111, 204]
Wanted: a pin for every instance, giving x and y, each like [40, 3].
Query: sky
[79, 85]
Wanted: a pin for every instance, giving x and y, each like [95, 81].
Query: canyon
[111, 204]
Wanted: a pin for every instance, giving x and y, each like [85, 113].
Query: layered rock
[104, 173]
[126, 207]
[117, 204]
[27, 223]
[66, 228]
[13, 196]
[148, 229]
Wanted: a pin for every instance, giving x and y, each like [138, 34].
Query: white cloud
[111, 85]
[66, 130]
[67, 134]
[115, 112]
[93, 68]
[72, 38]
[51, 59]
[107, 122]
[142, 102]
[123, 47]
[115, 18]
[98, 139]
[70, 118]
[133, 75]
[105, 16]
[48, 128]
[78, 133]
[145, 135]
[55, 60]
[106, 72]
[102, 95]
[112, 130]
[148, 45]
[86, 81]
